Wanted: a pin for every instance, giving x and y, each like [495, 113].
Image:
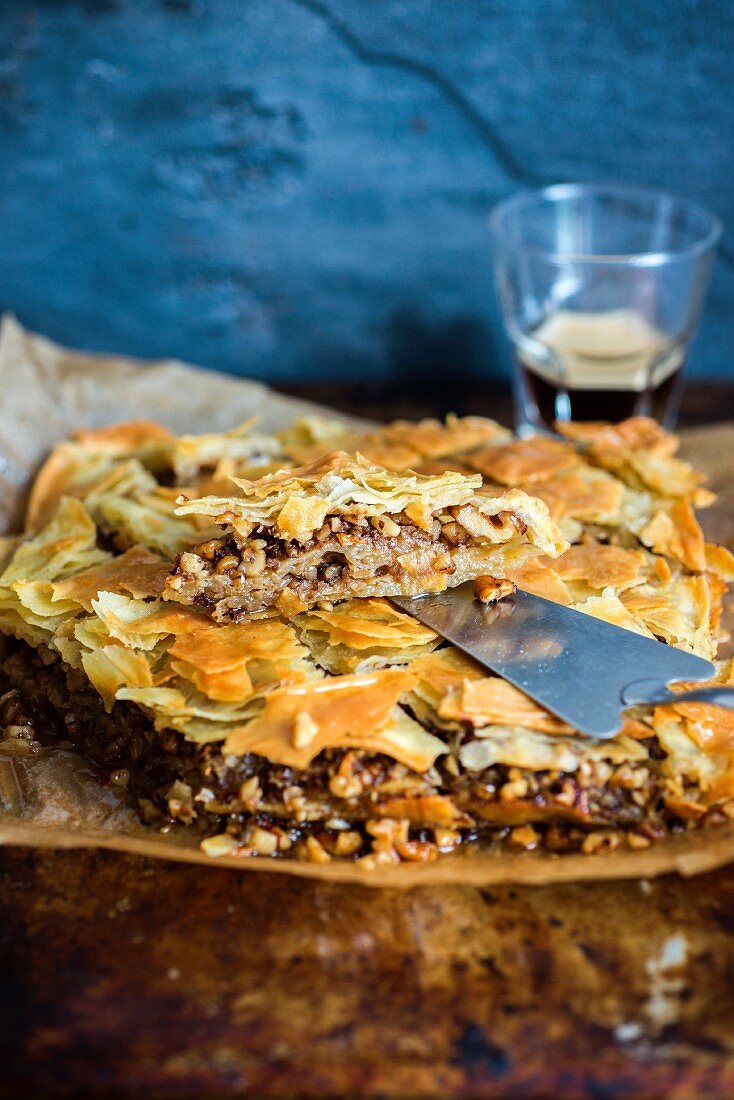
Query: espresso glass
[601, 288]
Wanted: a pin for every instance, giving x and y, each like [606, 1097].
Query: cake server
[583, 669]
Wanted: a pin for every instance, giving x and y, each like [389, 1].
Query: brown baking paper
[54, 800]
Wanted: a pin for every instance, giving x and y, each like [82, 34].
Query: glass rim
[706, 242]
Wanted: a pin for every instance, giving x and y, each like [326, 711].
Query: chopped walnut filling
[348, 803]
[491, 589]
[344, 558]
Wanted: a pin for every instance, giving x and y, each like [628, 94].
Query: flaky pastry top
[295, 503]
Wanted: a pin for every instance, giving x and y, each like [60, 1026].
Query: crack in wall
[446, 88]
[451, 94]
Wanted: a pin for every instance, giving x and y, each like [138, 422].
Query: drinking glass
[601, 289]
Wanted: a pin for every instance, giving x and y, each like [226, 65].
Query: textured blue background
[290, 188]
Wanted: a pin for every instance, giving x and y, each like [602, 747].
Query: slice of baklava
[342, 528]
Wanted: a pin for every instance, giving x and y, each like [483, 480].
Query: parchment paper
[54, 800]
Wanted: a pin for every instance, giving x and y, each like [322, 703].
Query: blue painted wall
[294, 188]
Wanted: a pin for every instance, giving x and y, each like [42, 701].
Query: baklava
[297, 713]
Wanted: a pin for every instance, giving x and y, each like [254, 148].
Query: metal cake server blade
[582, 669]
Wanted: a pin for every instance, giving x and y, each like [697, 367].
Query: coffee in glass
[598, 366]
[601, 290]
